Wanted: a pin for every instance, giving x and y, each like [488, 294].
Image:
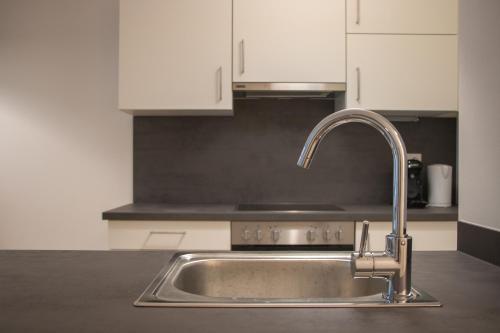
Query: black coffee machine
[415, 185]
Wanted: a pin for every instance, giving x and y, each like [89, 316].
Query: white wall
[479, 116]
[65, 151]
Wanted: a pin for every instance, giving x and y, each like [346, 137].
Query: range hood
[286, 90]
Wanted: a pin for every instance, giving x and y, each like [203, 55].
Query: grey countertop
[206, 212]
[85, 291]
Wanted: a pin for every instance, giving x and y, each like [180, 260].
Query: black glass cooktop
[288, 206]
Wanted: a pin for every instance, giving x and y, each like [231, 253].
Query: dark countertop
[85, 291]
[208, 212]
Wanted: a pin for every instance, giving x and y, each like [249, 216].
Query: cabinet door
[169, 235]
[289, 41]
[426, 235]
[402, 16]
[402, 72]
[175, 55]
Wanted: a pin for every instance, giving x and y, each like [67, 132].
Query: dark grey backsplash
[252, 156]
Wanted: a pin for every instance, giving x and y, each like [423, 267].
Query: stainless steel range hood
[286, 90]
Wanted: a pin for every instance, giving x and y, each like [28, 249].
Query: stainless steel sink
[267, 279]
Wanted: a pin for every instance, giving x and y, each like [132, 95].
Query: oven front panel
[301, 248]
[293, 235]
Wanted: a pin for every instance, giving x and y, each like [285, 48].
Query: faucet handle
[364, 238]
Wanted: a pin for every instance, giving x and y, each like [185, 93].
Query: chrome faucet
[394, 263]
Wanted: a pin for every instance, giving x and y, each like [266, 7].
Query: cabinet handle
[180, 234]
[219, 84]
[242, 55]
[358, 84]
[358, 5]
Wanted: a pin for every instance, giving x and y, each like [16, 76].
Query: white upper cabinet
[402, 72]
[402, 16]
[289, 41]
[175, 56]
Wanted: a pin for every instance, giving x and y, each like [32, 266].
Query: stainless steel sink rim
[179, 298]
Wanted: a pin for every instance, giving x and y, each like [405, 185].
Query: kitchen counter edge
[220, 212]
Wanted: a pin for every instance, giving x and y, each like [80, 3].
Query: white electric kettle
[439, 178]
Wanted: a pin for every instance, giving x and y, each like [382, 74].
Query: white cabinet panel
[169, 235]
[289, 41]
[402, 72]
[426, 236]
[402, 16]
[175, 55]
[216, 235]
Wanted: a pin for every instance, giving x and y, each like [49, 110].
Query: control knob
[327, 234]
[258, 234]
[311, 235]
[275, 235]
[245, 235]
[339, 233]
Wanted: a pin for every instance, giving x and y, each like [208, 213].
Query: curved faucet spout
[395, 263]
[392, 136]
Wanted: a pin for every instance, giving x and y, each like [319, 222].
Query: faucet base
[394, 264]
[395, 298]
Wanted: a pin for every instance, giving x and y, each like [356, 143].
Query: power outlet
[414, 156]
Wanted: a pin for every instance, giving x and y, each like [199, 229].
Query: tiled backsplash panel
[252, 156]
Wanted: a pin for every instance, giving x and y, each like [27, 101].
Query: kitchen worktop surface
[84, 291]
[176, 212]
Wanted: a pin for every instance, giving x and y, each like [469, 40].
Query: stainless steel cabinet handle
[364, 238]
[242, 56]
[358, 84]
[219, 84]
[358, 5]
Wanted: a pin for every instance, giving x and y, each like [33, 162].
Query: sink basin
[267, 279]
[288, 206]
[274, 278]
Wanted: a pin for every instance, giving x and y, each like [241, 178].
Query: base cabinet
[169, 235]
[427, 236]
[216, 235]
